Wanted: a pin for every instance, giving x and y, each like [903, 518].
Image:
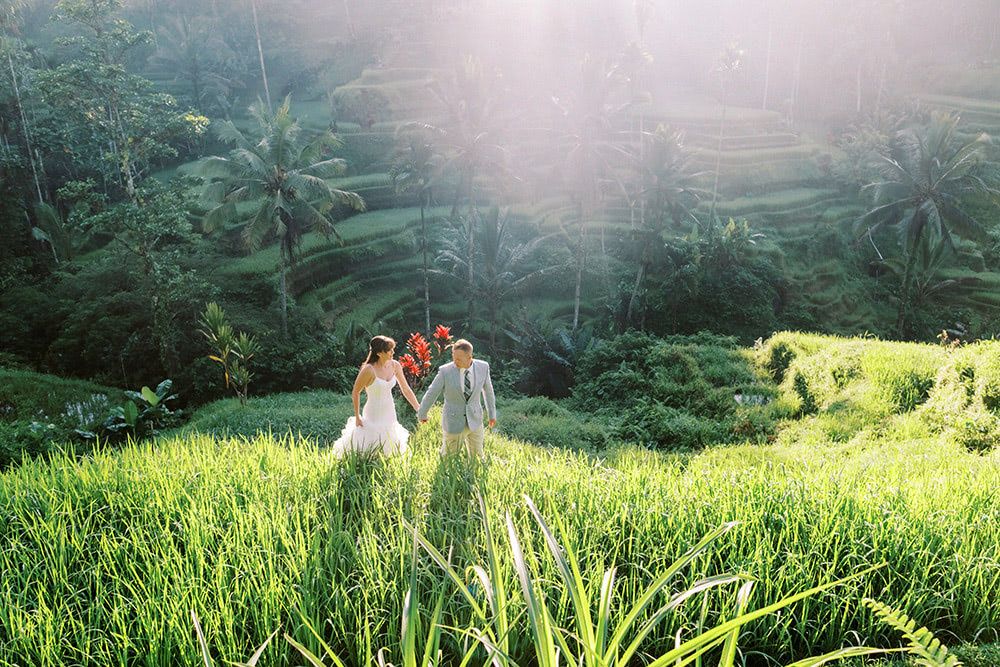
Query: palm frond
[218, 216]
[264, 222]
[218, 168]
[964, 224]
[326, 169]
[228, 133]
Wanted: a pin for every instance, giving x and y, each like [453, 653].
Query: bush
[21, 440]
[662, 426]
[777, 353]
[678, 391]
[987, 380]
[900, 375]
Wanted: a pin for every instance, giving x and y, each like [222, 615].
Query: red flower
[420, 348]
[409, 365]
[442, 336]
[442, 333]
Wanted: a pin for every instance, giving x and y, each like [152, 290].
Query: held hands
[493, 423]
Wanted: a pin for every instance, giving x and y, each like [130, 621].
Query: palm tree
[468, 142]
[669, 193]
[922, 186]
[505, 265]
[193, 50]
[593, 150]
[283, 176]
[730, 66]
[414, 169]
[922, 283]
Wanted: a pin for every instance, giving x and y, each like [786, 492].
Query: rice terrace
[525, 333]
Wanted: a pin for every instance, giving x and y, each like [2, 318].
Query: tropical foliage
[283, 176]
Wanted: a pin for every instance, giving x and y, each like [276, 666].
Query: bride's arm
[404, 387]
[365, 377]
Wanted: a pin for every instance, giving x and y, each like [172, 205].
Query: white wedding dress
[379, 431]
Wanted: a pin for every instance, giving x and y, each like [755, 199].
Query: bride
[375, 429]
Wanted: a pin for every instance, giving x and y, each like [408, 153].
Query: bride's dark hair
[376, 346]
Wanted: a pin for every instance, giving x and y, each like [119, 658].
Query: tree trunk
[579, 272]
[473, 216]
[350, 24]
[635, 293]
[718, 163]
[427, 290]
[284, 294]
[857, 91]
[493, 329]
[881, 88]
[767, 62]
[260, 52]
[795, 81]
[24, 126]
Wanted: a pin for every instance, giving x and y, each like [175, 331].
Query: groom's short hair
[462, 344]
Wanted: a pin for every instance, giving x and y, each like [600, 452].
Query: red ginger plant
[420, 358]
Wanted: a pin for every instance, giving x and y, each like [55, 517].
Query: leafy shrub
[678, 391]
[808, 401]
[550, 357]
[38, 409]
[28, 318]
[874, 376]
[777, 353]
[961, 402]
[987, 380]
[653, 423]
[22, 439]
[145, 413]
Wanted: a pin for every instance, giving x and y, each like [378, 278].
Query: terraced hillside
[777, 179]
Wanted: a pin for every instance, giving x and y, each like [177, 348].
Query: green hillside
[246, 521]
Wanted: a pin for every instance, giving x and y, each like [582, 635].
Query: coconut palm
[669, 194]
[594, 151]
[922, 281]
[194, 51]
[414, 168]
[283, 176]
[468, 141]
[728, 68]
[505, 265]
[923, 183]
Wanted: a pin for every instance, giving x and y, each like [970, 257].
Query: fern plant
[927, 650]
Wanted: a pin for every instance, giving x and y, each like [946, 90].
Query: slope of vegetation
[884, 456]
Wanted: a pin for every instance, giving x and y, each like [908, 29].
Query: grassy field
[105, 558]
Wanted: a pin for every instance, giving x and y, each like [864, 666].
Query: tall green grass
[103, 559]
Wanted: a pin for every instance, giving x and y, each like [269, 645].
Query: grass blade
[729, 649]
[201, 640]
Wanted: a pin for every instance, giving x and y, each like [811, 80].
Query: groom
[464, 383]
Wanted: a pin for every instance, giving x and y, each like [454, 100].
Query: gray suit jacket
[459, 413]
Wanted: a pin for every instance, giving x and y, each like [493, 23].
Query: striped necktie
[467, 383]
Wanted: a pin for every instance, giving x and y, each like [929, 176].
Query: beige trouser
[452, 442]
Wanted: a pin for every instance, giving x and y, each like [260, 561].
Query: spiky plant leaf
[927, 650]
